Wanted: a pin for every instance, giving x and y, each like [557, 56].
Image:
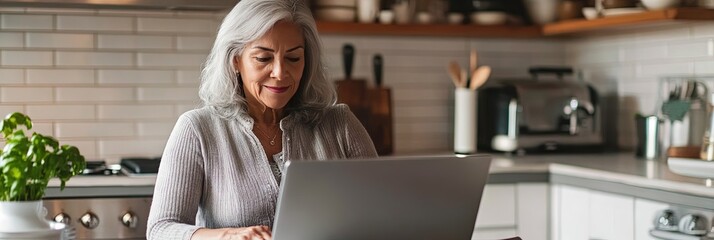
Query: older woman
[267, 101]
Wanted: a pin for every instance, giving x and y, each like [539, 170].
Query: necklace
[272, 140]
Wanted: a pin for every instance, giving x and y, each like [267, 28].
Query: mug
[367, 10]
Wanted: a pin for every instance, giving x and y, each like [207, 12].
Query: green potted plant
[26, 166]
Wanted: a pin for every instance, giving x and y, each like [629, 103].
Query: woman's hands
[245, 233]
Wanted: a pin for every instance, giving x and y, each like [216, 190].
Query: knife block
[353, 92]
[380, 119]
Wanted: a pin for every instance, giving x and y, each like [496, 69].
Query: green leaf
[27, 164]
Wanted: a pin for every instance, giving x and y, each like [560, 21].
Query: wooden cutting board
[353, 92]
[380, 120]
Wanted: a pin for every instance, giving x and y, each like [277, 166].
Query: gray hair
[247, 22]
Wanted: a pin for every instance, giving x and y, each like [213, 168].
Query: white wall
[113, 82]
[630, 63]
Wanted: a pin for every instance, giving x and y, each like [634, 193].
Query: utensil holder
[464, 121]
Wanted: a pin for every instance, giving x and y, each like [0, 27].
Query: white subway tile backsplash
[171, 60]
[182, 108]
[194, 43]
[155, 129]
[134, 42]
[95, 23]
[136, 111]
[89, 94]
[189, 77]
[436, 111]
[197, 14]
[61, 112]
[656, 70]
[690, 48]
[168, 94]
[26, 22]
[422, 95]
[26, 94]
[88, 149]
[175, 25]
[664, 34]
[43, 128]
[136, 77]
[26, 58]
[90, 59]
[138, 12]
[12, 10]
[60, 40]
[7, 109]
[643, 52]
[11, 40]
[414, 127]
[82, 11]
[596, 55]
[132, 147]
[60, 76]
[94, 129]
[12, 76]
[704, 67]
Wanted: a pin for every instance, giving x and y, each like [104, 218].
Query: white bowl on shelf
[660, 4]
[489, 18]
[455, 18]
[590, 13]
[691, 167]
[621, 11]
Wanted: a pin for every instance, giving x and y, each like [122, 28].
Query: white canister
[464, 121]
[367, 10]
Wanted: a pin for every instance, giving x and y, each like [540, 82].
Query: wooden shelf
[572, 27]
[630, 20]
[435, 30]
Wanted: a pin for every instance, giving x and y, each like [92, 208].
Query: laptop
[425, 197]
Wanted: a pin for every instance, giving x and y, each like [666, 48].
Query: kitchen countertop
[605, 171]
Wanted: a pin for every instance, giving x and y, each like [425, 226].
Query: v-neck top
[214, 172]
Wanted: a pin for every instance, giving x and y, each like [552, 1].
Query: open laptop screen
[425, 197]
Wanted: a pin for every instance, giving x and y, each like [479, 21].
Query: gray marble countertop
[621, 168]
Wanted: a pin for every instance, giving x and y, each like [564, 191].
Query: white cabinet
[532, 209]
[570, 213]
[645, 213]
[581, 214]
[497, 212]
[611, 216]
[509, 210]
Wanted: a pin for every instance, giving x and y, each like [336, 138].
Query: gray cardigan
[215, 174]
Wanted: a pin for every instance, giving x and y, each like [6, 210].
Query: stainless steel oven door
[102, 218]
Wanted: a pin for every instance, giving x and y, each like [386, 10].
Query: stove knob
[62, 218]
[89, 220]
[129, 219]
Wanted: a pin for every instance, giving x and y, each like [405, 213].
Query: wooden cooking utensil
[455, 73]
[353, 92]
[479, 77]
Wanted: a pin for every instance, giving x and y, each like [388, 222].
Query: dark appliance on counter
[540, 116]
[135, 166]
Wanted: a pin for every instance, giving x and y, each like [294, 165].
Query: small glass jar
[708, 141]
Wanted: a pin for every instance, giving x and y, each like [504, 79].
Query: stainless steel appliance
[105, 212]
[537, 115]
[102, 218]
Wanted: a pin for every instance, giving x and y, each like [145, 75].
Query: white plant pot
[22, 216]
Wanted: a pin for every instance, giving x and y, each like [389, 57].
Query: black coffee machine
[555, 115]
